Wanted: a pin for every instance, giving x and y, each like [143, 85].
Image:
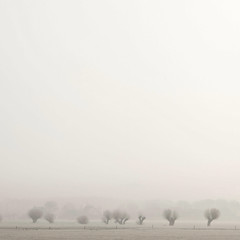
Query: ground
[128, 232]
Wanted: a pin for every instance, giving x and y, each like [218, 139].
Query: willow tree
[120, 217]
[211, 214]
[50, 217]
[35, 214]
[140, 220]
[171, 216]
[107, 216]
[82, 220]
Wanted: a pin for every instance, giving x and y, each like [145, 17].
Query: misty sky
[128, 99]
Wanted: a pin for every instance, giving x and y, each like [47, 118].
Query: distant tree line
[116, 216]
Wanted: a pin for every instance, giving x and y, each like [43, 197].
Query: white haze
[124, 99]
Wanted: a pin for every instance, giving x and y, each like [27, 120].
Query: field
[95, 231]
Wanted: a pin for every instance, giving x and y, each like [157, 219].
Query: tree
[211, 214]
[141, 218]
[171, 216]
[107, 216]
[0, 218]
[82, 220]
[35, 213]
[120, 217]
[50, 217]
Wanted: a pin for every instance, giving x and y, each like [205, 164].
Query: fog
[133, 100]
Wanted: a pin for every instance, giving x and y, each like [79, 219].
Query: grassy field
[95, 231]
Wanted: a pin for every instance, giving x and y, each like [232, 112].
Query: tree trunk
[140, 220]
[209, 222]
[171, 222]
[124, 220]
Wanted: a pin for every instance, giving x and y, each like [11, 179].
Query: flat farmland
[94, 231]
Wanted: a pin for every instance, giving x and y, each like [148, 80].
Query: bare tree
[171, 216]
[124, 217]
[107, 216]
[116, 215]
[120, 217]
[0, 218]
[50, 217]
[211, 214]
[35, 213]
[82, 220]
[141, 218]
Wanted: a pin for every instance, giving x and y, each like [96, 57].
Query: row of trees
[209, 214]
[121, 217]
[118, 216]
[37, 213]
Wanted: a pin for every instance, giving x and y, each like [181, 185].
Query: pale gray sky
[120, 98]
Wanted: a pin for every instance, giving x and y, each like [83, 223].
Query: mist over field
[127, 106]
[70, 209]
